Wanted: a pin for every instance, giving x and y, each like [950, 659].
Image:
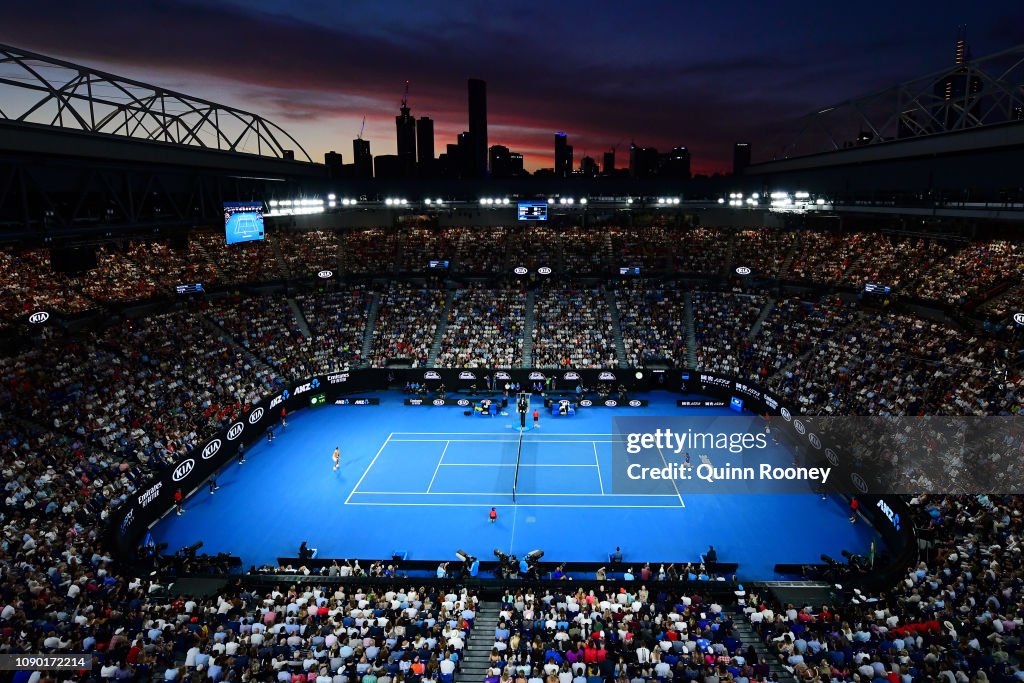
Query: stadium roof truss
[984, 92]
[41, 90]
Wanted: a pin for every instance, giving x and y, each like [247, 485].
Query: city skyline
[662, 76]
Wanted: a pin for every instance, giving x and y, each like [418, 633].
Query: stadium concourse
[119, 381]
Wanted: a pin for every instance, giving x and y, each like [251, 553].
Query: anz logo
[466, 374]
[303, 388]
[255, 416]
[211, 449]
[887, 511]
[183, 470]
[39, 317]
[431, 374]
[235, 431]
[438, 401]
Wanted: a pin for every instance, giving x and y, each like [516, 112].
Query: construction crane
[361, 129]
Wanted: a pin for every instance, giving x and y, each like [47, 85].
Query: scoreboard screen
[533, 211]
[243, 222]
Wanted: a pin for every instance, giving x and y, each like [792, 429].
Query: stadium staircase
[761, 317]
[371, 322]
[475, 660]
[749, 637]
[790, 255]
[281, 262]
[613, 310]
[442, 326]
[528, 322]
[729, 250]
[691, 333]
[300, 318]
[799, 360]
[222, 334]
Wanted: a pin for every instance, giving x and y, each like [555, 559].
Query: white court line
[515, 516]
[440, 460]
[368, 468]
[597, 464]
[502, 464]
[545, 505]
[681, 503]
[504, 441]
[518, 493]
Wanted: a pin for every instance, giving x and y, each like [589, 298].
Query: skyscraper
[478, 126]
[405, 125]
[609, 163]
[563, 155]
[740, 157]
[362, 158]
[643, 161]
[676, 164]
[425, 144]
[500, 161]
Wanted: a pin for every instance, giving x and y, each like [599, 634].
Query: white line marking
[369, 467]
[518, 493]
[440, 460]
[597, 464]
[477, 505]
[502, 464]
[681, 503]
[515, 516]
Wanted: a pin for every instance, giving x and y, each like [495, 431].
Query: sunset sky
[703, 75]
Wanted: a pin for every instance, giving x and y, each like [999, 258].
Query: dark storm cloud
[600, 80]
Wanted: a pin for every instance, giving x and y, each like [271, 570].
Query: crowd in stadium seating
[722, 324]
[420, 246]
[485, 328]
[238, 263]
[407, 320]
[337, 323]
[825, 256]
[616, 635]
[763, 251]
[482, 250]
[266, 327]
[572, 328]
[370, 251]
[893, 261]
[972, 271]
[652, 317]
[700, 250]
[306, 253]
[954, 616]
[28, 284]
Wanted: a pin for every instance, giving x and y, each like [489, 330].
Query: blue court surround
[422, 480]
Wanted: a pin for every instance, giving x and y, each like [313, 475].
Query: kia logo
[463, 402]
[832, 457]
[799, 426]
[859, 482]
[743, 270]
[183, 470]
[544, 270]
[39, 317]
[635, 403]
[815, 441]
[211, 449]
[785, 414]
[610, 403]
[325, 274]
[235, 431]
[520, 271]
[1018, 318]
[438, 401]
[586, 403]
[255, 416]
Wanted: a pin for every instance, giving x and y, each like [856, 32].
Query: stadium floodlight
[438, 202]
[583, 200]
[332, 196]
[570, 200]
[427, 202]
[675, 200]
[404, 202]
[388, 201]
[551, 200]
[332, 204]
[629, 201]
[273, 202]
[505, 201]
[561, 200]
[819, 201]
[721, 200]
[661, 200]
[802, 195]
[755, 196]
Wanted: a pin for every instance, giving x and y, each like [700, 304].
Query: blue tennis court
[421, 480]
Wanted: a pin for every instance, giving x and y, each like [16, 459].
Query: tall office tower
[676, 164]
[425, 145]
[468, 168]
[500, 161]
[563, 157]
[643, 161]
[740, 157]
[363, 160]
[478, 126]
[405, 125]
[588, 167]
[609, 163]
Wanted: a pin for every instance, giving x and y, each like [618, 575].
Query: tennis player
[336, 456]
